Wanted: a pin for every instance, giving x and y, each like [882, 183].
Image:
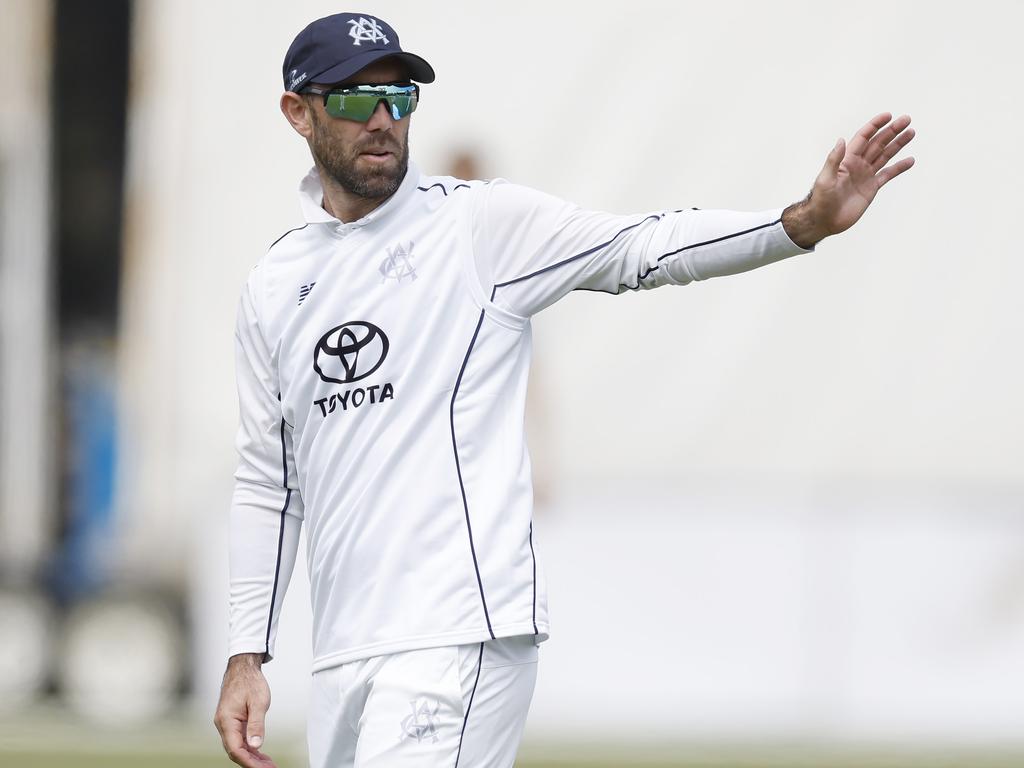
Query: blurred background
[781, 514]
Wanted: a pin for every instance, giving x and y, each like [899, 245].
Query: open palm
[853, 174]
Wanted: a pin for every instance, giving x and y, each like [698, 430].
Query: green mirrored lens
[360, 102]
[404, 104]
[353, 106]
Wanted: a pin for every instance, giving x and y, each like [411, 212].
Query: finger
[249, 758]
[230, 728]
[830, 170]
[261, 760]
[254, 728]
[888, 174]
[881, 140]
[234, 745]
[244, 758]
[252, 758]
[255, 717]
[860, 140]
[894, 147]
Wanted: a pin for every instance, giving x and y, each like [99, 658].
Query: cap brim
[419, 69]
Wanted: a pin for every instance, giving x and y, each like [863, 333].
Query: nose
[381, 119]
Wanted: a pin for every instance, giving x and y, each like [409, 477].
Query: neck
[344, 205]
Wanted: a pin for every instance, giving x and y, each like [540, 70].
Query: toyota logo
[350, 352]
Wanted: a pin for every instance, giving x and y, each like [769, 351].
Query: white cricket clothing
[382, 368]
[445, 707]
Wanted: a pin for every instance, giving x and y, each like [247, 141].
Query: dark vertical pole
[90, 89]
[90, 85]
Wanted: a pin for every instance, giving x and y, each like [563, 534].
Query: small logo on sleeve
[304, 292]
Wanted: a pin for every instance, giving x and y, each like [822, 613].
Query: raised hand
[850, 179]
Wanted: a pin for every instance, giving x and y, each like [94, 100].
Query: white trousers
[453, 707]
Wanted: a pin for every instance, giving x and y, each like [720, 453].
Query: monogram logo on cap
[366, 30]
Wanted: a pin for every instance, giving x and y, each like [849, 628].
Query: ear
[296, 112]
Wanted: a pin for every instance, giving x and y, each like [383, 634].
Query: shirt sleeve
[531, 249]
[266, 508]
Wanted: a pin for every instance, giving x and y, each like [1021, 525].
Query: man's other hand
[244, 701]
[851, 178]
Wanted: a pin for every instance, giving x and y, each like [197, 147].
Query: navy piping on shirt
[442, 187]
[458, 469]
[280, 536]
[719, 239]
[284, 451]
[277, 570]
[282, 237]
[533, 557]
[587, 252]
[657, 266]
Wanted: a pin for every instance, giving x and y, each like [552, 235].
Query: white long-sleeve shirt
[382, 368]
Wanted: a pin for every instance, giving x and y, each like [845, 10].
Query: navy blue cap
[335, 47]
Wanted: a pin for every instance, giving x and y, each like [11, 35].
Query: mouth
[377, 155]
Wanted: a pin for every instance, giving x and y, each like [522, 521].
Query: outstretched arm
[850, 180]
[531, 249]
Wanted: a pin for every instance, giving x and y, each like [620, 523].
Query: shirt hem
[418, 642]
[247, 645]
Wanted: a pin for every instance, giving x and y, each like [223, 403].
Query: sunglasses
[358, 102]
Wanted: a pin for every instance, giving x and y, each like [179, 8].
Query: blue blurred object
[82, 563]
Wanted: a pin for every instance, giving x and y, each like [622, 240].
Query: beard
[340, 163]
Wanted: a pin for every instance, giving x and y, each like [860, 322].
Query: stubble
[340, 162]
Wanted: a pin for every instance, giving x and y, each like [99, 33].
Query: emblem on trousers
[422, 722]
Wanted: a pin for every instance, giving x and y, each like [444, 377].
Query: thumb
[835, 158]
[254, 728]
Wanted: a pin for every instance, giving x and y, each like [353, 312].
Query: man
[383, 349]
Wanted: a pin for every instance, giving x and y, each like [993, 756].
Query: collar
[311, 195]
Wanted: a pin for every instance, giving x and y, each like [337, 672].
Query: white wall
[27, 387]
[757, 613]
[890, 359]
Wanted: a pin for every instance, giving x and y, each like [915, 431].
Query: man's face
[367, 159]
